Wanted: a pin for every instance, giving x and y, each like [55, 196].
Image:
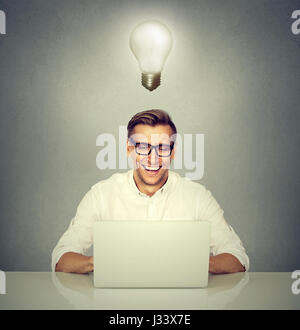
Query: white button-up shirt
[118, 198]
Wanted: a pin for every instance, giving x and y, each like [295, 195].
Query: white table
[37, 290]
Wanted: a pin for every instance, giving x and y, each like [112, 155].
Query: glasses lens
[143, 148]
[164, 150]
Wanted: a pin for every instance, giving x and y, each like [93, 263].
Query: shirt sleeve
[79, 235]
[223, 238]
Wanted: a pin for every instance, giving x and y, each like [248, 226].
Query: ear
[129, 148]
[173, 152]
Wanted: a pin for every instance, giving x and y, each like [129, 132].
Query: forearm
[72, 262]
[225, 263]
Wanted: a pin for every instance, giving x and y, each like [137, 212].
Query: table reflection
[79, 291]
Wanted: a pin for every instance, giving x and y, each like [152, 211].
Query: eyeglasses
[145, 149]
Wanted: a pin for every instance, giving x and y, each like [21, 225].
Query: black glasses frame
[150, 146]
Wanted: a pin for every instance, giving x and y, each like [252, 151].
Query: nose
[153, 159]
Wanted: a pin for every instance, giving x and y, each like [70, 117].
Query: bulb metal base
[151, 81]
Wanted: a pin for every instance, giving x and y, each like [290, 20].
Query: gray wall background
[67, 75]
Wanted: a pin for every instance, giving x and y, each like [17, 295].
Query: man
[149, 191]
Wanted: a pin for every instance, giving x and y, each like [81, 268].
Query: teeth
[150, 168]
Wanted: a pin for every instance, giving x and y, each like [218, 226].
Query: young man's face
[151, 170]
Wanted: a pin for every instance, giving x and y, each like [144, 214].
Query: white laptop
[151, 254]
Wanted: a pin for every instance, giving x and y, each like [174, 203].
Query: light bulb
[151, 42]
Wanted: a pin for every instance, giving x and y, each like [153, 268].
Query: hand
[72, 262]
[225, 263]
[90, 266]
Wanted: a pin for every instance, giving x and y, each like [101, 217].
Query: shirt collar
[164, 189]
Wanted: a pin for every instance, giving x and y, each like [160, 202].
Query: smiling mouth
[152, 169]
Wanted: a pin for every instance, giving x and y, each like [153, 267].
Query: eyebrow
[146, 142]
[171, 143]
